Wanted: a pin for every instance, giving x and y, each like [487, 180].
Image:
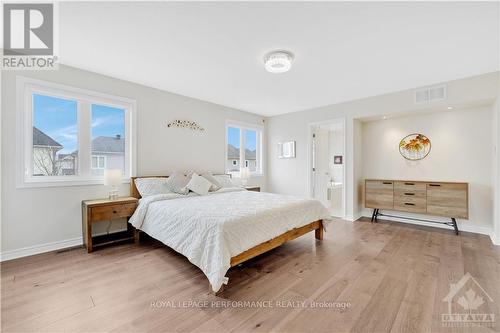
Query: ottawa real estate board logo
[469, 305]
[28, 36]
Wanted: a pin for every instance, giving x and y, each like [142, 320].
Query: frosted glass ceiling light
[278, 61]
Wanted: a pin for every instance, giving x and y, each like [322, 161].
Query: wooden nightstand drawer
[112, 212]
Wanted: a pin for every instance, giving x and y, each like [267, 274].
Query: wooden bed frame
[317, 226]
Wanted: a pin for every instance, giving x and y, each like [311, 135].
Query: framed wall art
[415, 147]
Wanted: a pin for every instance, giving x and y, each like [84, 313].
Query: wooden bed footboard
[317, 226]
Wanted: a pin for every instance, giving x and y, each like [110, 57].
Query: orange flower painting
[415, 146]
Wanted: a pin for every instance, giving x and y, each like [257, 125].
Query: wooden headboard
[135, 193]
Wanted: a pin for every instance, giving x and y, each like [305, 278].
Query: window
[108, 138]
[70, 136]
[55, 136]
[244, 143]
[98, 162]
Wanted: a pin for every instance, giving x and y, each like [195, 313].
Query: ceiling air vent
[430, 94]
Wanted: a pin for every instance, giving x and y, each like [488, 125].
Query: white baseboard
[353, 217]
[495, 240]
[467, 227]
[37, 249]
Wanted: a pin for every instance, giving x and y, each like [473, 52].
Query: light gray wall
[37, 216]
[290, 176]
[496, 170]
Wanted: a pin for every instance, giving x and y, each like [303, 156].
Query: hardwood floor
[392, 276]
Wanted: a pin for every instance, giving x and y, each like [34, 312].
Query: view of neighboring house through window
[250, 149]
[72, 135]
[98, 162]
[55, 136]
[233, 150]
[108, 139]
[243, 144]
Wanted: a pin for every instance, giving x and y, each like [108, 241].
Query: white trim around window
[25, 88]
[242, 126]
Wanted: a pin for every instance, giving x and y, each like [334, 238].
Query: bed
[227, 227]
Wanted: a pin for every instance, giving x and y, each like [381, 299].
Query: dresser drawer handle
[114, 212]
[409, 193]
[409, 183]
[387, 183]
[409, 204]
[434, 185]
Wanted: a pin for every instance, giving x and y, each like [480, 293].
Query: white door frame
[310, 180]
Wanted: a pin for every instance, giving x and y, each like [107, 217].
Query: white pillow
[224, 180]
[151, 186]
[177, 183]
[199, 184]
[215, 184]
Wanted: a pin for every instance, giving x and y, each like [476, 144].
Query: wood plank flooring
[392, 276]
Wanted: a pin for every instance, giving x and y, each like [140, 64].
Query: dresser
[446, 199]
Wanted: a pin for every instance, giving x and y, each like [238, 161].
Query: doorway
[327, 165]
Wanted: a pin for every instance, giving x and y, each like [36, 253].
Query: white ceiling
[343, 51]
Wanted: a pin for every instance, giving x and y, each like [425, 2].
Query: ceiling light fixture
[449, 107]
[278, 61]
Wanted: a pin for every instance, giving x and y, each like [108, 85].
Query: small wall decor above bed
[185, 124]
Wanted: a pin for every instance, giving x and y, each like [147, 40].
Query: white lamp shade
[113, 177]
[244, 173]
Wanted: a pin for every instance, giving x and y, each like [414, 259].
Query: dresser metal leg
[373, 215]
[455, 226]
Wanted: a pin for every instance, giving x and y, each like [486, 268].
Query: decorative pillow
[215, 184]
[177, 183]
[199, 185]
[224, 180]
[151, 186]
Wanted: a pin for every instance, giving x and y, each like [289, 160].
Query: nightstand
[105, 210]
[252, 188]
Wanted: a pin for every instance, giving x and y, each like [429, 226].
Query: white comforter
[211, 229]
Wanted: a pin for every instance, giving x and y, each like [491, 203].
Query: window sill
[256, 175]
[37, 183]
[236, 174]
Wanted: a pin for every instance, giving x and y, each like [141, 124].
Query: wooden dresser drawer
[448, 199]
[409, 207]
[410, 188]
[379, 194]
[410, 204]
[114, 212]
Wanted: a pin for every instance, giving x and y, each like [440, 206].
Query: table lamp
[244, 175]
[113, 178]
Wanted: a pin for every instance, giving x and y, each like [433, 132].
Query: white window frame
[242, 126]
[26, 87]
[98, 157]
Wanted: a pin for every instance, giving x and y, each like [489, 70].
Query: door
[327, 174]
[320, 166]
